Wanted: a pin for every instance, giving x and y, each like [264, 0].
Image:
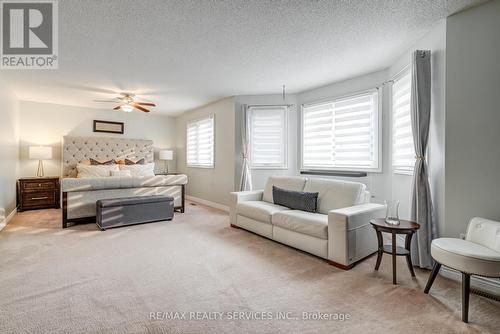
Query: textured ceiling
[183, 54]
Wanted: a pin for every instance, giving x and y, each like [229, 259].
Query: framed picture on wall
[109, 127]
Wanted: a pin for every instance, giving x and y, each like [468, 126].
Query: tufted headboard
[77, 149]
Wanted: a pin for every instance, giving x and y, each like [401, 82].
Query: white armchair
[478, 254]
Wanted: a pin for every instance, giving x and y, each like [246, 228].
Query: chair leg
[465, 297]
[432, 277]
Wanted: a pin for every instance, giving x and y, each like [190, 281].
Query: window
[403, 152]
[200, 143]
[342, 134]
[267, 132]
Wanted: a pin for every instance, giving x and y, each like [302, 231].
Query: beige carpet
[81, 280]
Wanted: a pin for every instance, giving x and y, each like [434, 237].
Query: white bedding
[71, 184]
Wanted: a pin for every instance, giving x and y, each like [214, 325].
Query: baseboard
[7, 219]
[208, 203]
[487, 284]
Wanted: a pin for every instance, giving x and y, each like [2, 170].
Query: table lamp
[166, 155]
[40, 153]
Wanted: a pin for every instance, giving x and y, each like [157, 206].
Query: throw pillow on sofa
[297, 200]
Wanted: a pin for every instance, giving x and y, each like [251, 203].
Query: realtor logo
[29, 34]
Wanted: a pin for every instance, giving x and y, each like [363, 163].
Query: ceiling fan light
[127, 108]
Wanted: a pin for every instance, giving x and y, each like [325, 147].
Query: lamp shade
[166, 155]
[40, 152]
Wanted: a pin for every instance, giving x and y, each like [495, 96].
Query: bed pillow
[296, 200]
[95, 162]
[140, 170]
[138, 162]
[87, 171]
[121, 173]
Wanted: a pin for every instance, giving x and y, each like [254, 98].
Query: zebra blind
[267, 129]
[200, 143]
[342, 134]
[403, 152]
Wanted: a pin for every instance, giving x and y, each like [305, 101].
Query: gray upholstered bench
[133, 210]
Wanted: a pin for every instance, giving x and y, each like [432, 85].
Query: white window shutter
[267, 129]
[200, 143]
[403, 151]
[342, 134]
[355, 130]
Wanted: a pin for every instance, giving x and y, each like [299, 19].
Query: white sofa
[339, 232]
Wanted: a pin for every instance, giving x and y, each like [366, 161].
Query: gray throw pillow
[95, 162]
[138, 162]
[297, 200]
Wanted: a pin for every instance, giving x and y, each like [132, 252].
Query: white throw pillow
[87, 171]
[140, 170]
[122, 173]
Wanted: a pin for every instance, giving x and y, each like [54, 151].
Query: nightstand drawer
[38, 193]
[39, 198]
[39, 185]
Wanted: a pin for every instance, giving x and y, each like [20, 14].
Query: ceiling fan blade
[114, 100]
[136, 106]
[117, 107]
[146, 104]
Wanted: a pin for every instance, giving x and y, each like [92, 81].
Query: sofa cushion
[313, 224]
[259, 210]
[296, 200]
[284, 182]
[336, 194]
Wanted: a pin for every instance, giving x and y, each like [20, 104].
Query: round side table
[405, 227]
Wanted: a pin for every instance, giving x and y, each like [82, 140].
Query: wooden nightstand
[38, 193]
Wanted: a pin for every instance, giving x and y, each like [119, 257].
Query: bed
[79, 195]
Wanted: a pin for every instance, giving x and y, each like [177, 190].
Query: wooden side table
[38, 193]
[405, 227]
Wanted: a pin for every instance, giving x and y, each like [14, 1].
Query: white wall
[260, 176]
[9, 149]
[46, 124]
[212, 184]
[472, 117]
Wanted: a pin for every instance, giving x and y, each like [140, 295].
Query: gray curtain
[421, 202]
[246, 176]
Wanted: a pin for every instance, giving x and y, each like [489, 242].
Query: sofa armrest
[242, 196]
[350, 237]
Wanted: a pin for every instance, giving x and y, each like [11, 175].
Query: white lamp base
[40, 172]
[165, 166]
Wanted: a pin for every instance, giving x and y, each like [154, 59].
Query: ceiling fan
[127, 103]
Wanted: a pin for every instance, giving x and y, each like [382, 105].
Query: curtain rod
[269, 105]
[395, 76]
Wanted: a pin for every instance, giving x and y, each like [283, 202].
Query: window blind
[403, 152]
[267, 129]
[341, 134]
[200, 143]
